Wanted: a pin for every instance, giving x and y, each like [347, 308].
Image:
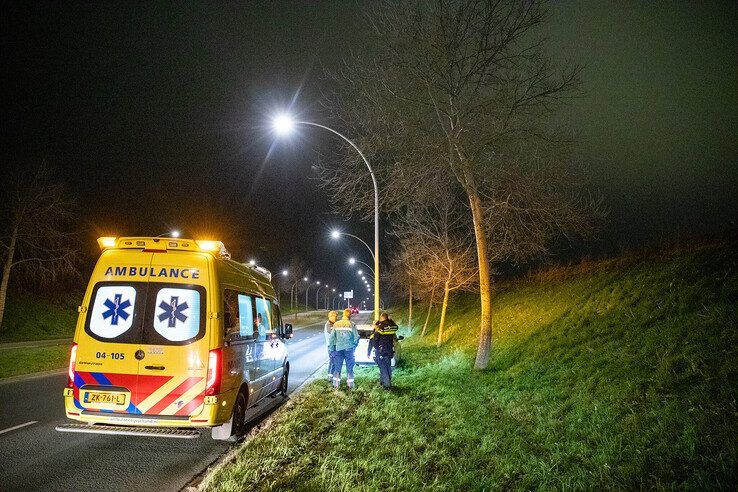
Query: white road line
[18, 426]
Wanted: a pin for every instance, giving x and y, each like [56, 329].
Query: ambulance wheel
[285, 381]
[239, 415]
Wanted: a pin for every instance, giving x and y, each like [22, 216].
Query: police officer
[383, 342]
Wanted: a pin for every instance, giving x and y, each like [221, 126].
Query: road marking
[18, 426]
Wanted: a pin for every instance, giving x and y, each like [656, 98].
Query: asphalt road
[34, 456]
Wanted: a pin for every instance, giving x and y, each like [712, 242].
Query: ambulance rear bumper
[129, 430]
[212, 414]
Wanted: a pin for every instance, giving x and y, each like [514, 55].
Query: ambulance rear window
[178, 314]
[147, 313]
[115, 314]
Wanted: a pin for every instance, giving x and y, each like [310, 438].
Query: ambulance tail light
[215, 366]
[72, 365]
[106, 242]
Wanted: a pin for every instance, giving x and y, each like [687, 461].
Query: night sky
[158, 117]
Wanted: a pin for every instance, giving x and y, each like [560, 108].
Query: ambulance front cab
[172, 336]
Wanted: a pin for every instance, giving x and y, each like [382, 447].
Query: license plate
[105, 398]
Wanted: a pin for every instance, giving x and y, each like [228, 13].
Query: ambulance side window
[246, 316]
[230, 313]
[263, 317]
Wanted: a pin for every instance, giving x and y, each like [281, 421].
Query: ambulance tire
[285, 381]
[239, 415]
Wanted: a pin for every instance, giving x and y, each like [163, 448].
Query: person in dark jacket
[383, 342]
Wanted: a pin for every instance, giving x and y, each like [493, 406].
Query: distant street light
[333, 302]
[353, 261]
[285, 273]
[173, 233]
[316, 294]
[307, 289]
[284, 124]
[252, 262]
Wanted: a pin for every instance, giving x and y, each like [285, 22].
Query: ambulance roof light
[106, 242]
[209, 245]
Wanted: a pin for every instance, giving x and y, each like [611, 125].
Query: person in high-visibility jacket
[383, 342]
[343, 341]
[327, 329]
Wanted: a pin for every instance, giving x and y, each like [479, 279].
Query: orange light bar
[106, 242]
[209, 245]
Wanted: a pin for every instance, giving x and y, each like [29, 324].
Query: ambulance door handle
[155, 368]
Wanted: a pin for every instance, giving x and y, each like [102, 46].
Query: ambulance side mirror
[287, 332]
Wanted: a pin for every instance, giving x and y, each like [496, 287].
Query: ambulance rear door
[105, 378]
[174, 341]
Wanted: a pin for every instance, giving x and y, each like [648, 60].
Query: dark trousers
[385, 370]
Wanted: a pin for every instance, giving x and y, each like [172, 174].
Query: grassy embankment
[29, 317]
[610, 374]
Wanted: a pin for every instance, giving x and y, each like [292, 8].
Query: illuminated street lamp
[284, 124]
[252, 262]
[335, 234]
[285, 273]
[173, 233]
[354, 261]
[316, 294]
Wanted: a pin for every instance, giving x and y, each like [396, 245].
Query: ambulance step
[130, 431]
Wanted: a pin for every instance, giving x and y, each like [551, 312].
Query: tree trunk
[485, 288]
[427, 316]
[410, 310]
[443, 314]
[6, 274]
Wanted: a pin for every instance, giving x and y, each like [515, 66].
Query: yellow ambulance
[172, 336]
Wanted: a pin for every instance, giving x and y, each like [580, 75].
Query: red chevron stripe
[191, 406]
[167, 400]
[148, 384]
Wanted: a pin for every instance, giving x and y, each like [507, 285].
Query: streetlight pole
[307, 289]
[283, 124]
[316, 295]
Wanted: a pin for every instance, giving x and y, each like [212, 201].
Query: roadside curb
[227, 458]
[33, 375]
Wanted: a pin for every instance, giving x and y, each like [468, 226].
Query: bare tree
[399, 280]
[459, 88]
[37, 240]
[439, 239]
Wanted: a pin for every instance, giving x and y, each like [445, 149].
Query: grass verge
[614, 374]
[18, 361]
[36, 317]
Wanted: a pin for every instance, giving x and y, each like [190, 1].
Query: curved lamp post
[283, 125]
